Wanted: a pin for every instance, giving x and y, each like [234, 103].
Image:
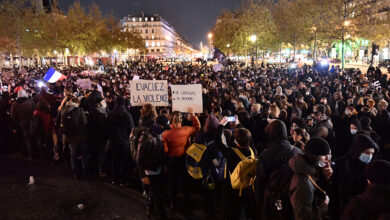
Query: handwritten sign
[217, 67]
[154, 92]
[184, 96]
[84, 83]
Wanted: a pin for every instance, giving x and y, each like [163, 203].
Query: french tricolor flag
[53, 76]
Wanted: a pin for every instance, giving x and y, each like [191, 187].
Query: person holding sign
[176, 142]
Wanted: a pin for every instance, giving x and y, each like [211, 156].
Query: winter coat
[97, 125]
[120, 124]
[22, 111]
[277, 154]
[347, 178]
[74, 140]
[371, 205]
[176, 140]
[303, 193]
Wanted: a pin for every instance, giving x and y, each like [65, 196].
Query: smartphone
[231, 118]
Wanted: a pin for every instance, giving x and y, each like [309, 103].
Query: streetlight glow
[210, 35]
[347, 23]
[253, 38]
[228, 45]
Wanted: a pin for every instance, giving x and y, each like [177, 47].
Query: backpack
[152, 150]
[195, 164]
[36, 126]
[277, 203]
[244, 174]
[71, 122]
[193, 159]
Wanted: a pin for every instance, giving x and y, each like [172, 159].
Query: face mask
[365, 158]
[347, 112]
[314, 110]
[320, 164]
[353, 131]
[307, 93]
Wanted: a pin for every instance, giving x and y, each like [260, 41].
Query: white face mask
[347, 112]
[353, 131]
[365, 158]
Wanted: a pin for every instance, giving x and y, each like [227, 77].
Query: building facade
[161, 39]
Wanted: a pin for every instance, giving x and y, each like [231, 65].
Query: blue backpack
[210, 168]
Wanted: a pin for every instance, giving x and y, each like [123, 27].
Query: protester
[176, 141]
[312, 172]
[348, 179]
[120, 124]
[374, 202]
[21, 113]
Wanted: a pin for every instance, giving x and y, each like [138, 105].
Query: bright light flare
[41, 84]
[324, 62]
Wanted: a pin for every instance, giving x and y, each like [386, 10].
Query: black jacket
[371, 205]
[277, 154]
[120, 125]
[347, 178]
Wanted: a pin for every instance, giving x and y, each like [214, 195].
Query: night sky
[193, 19]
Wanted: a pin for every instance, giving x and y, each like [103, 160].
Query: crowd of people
[303, 142]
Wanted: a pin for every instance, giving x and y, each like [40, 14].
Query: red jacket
[176, 140]
[46, 120]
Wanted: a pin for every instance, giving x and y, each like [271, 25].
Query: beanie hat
[22, 94]
[378, 171]
[317, 146]
[211, 124]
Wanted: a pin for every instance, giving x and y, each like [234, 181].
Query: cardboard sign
[154, 92]
[184, 96]
[84, 83]
[217, 67]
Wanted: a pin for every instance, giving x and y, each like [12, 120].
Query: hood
[21, 100]
[276, 130]
[70, 106]
[299, 166]
[357, 123]
[360, 143]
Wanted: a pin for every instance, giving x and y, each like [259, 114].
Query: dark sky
[191, 18]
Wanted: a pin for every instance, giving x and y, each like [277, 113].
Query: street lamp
[210, 36]
[345, 24]
[314, 29]
[228, 46]
[253, 39]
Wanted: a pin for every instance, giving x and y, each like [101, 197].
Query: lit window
[139, 19]
[153, 44]
[146, 19]
[158, 44]
[147, 44]
[134, 19]
[152, 37]
[152, 19]
[162, 43]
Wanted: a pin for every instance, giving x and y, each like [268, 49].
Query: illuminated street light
[55, 52]
[210, 35]
[347, 23]
[228, 45]
[253, 38]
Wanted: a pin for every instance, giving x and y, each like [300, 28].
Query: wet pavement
[56, 195]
